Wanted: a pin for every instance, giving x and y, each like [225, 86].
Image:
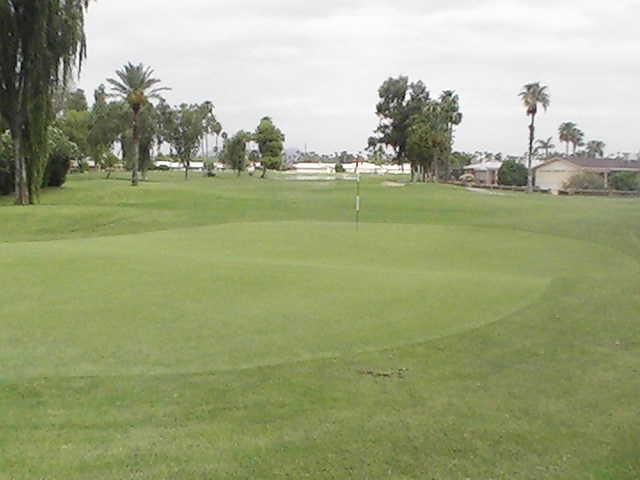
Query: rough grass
[238, 328]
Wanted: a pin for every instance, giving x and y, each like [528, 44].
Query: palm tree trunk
[447, 165]
[135, 155]
[206, 148]
[532, 133]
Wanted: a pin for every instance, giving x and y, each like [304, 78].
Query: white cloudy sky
[315, 67]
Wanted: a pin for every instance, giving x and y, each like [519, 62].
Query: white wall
[554, 175]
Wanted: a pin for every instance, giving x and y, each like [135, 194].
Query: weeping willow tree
[41, 41]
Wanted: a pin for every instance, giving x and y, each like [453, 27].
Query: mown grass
[238, 328]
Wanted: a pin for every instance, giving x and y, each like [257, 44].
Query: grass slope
[237, 328]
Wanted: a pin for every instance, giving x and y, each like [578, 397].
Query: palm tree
[565, 132]
[532, 95]
[453, 116]
[135, 86]
[217, 130]
[595, 148]
[545, 145]
[577, 139]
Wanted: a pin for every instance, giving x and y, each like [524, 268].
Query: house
[485, 173]
[555, 173]
[394, 169]
[364, 168]
[306, 168]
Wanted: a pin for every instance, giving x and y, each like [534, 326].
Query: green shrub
[625, 181]
[62, 152]
[110, 160]
[585, 181]
[272, 162]
[512, 174]
[339, 168]
[210, 167]
[6, 164]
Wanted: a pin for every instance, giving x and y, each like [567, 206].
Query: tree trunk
[447, 163]
[21, 184]
[436, 168]
[186, 169]
[532, 133]
[135, 155]
[264, 170]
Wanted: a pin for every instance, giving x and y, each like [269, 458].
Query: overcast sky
[315, 67]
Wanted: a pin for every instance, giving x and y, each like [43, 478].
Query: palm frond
[135, 83]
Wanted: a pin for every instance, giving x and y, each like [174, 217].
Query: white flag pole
[357, 197]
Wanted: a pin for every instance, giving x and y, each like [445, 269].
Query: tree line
[419, 129]
[42, 43]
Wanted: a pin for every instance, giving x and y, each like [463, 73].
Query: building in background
[555, 173]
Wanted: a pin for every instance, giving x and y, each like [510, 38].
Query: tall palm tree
[534, 95]
[453, 116]
[595, 148]
[577, 139]
[210, 125]
[135, 86]
[217, 130]
[565, 132]
[545, 145]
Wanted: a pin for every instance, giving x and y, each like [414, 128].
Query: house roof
[601, 164]
[484, 166]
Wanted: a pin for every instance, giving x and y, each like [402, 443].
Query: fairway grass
[238, 328]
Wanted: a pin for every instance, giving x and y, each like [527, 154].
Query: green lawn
[239, 328]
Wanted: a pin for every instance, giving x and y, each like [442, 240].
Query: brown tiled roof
[601, 163]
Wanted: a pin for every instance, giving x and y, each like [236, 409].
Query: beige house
[553, 175]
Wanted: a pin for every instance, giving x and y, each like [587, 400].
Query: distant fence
[591, 193]
[508, 188]
[600, 193]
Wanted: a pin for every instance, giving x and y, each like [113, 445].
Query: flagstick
[357, 199]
